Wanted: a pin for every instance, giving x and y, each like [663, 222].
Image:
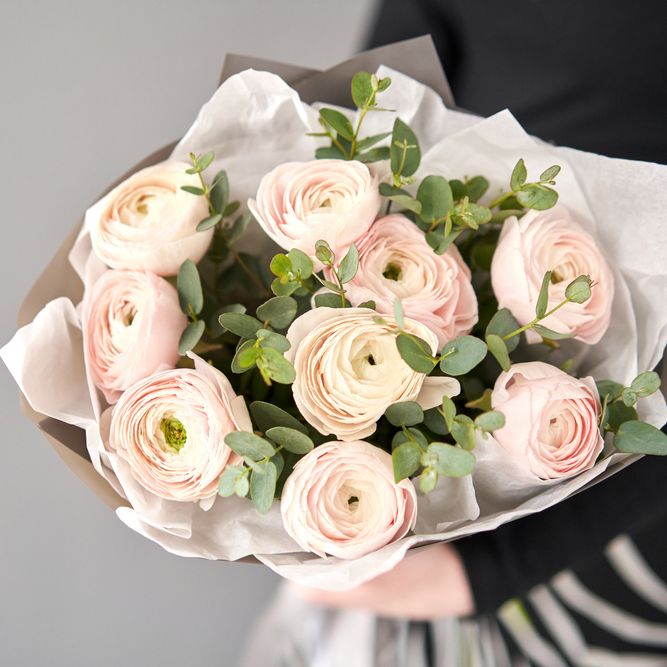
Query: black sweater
[591, 74]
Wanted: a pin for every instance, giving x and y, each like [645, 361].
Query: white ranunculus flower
[148, 223]
[349, 370]
[341, 499]
[299, 203]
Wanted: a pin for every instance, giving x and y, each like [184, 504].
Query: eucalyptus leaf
[499, 350]
[240, 324]
[374, 155]
[462, 354]
[272, 339]
[550, 173]
[274, 364]
[550, 334]
[302, 265]
[543, 297]
[329, 153]
[362, 89]
[188, 284]
[191, 336]
[636, 437]
[281, 265]
[646, 383]
[293, 440]
[519, 175]
[329, 300]
[238, 227]
[348, 266]
[463, 431]
[324, 253]
[629, 397]
[249, 445]
[490, 421]
[241, 350]
[413, 434]
[231, 208]
[618, 413]
[339, 122]
[451, 461]
[405, 154]
[537, 197]
[192, 189]
[227, 482]
[204, 161]
[267, 415]
[448, 411]
[612, 390]
[435, 197]
[406, 413]
[502, 324]
[220, 191]
[476, 188]
[406, 460]
[209, 222]
[367, 142]
[263, 486]
[435, 422]
[415, 352]
[279, 311]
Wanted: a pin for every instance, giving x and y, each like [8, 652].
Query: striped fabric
[608, 612]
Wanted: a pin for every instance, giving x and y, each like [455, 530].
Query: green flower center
[174, 433]
[392, 272]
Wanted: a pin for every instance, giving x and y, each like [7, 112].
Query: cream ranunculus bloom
[170, 428]
[551, 419]
[544, 241]
[148, 223]
[132, 324]
[349, 371]
[299, 203]
[341, 499]
[395, 262]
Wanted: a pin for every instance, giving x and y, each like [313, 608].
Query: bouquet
[320, 335]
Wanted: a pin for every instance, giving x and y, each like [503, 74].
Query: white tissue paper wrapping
[254, 122]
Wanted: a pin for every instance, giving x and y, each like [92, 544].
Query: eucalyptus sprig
[220, 209]
[191, 301]
[261, 345]
[346, 143]
[342, 273]
[503, 330]
[413, 452]
[536, 195]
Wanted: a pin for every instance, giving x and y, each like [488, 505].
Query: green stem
[342, 289]
[501, 199]
[353, 147]
[534, 321]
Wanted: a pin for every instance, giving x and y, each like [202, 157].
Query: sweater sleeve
[510, 560]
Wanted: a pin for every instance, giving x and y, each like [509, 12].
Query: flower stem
[534, 321]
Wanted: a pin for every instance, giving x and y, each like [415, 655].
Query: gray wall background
[86, 90]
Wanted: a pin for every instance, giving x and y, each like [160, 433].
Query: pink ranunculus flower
[341, 499]
[551, 419]
[170, 428]
[299, 203]
[395, 262]
[148, 223]
[132, 323]
[349, 370]
[552, 241]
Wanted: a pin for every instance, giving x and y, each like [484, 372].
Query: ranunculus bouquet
[321, 336]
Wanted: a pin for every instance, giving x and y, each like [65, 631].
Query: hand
[427, 584]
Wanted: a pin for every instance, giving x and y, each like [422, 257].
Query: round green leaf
[249, 445]
[427, 480]
[415, 435]
[302, 265]
[291, 439]
[451, 461]
[240, 324]
[579, 290]
[220, 191]
[243, 359]
[209, 222]
[537, 197]
[646, 383]
[405, 154]
[347, 269]
[406, 460]
[463, 431]
[636, 437]
[329, 300]
[435, 196]
[501, 324]
[612, 390]
[462, 354]
[242, 486]
[339, 122]
[407, 413]
[227, 483]
[618, 413]
[274, 364]
[490, 421]
[519, 175]
[362, 89]
[272, 339]
[279, 311]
